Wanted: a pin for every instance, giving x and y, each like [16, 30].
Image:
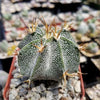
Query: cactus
[93, 20]
[92, 30]
[79, 17]
[92, 47]
[13, 35]
[92, 27]
[7, 16]
[4, 46]
[16, 23]
[37, 34]
[83, 28]
[24, 13]
[49, 54]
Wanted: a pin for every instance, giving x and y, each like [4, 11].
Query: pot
[7, 86]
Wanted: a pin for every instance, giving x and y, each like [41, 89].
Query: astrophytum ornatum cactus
[4, 46]
[47, 55]
[83, 28]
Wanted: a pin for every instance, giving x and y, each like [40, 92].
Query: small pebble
[49, 95]
[15, 81]
[34, 89]
[63, 98]
[25, 85]
[42, 86]
[11, 97]
[59, 96]
[98, 86]
[90, 93]
[43, 94]
[29, 95]
[43, 98]
[17, 97]
[65, 94]
[17, 75]
[96, 98]
[16, 64]
[15, 71]
[55, 92]
[36, 96]
[12, 85]
[69, 98]
[61, 91]
[22, 98]
[77, 87]
[14, 92]
[38, 88]
[72, 94]
[22, 92]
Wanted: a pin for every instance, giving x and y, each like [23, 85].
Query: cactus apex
[41, 48]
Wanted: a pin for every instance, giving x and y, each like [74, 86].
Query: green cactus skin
[59, 55]
[13, 35]
[92, 27]
[83, 28]
[79, 17]
[4, 46]
[30, 37]
[7, 16]
[24, 13]
[16, 23]
[92, 47]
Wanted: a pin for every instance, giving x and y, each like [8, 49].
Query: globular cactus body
[16, 23]
[79, 17]
[92, 47]
[92, 27]
[43, 58]
[7, 16]
[24, 13]
[83, 28]
[13, 35]
[4, 46]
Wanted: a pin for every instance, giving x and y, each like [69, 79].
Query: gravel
[43, 90]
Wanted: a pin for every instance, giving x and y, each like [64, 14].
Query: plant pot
[7, 86]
